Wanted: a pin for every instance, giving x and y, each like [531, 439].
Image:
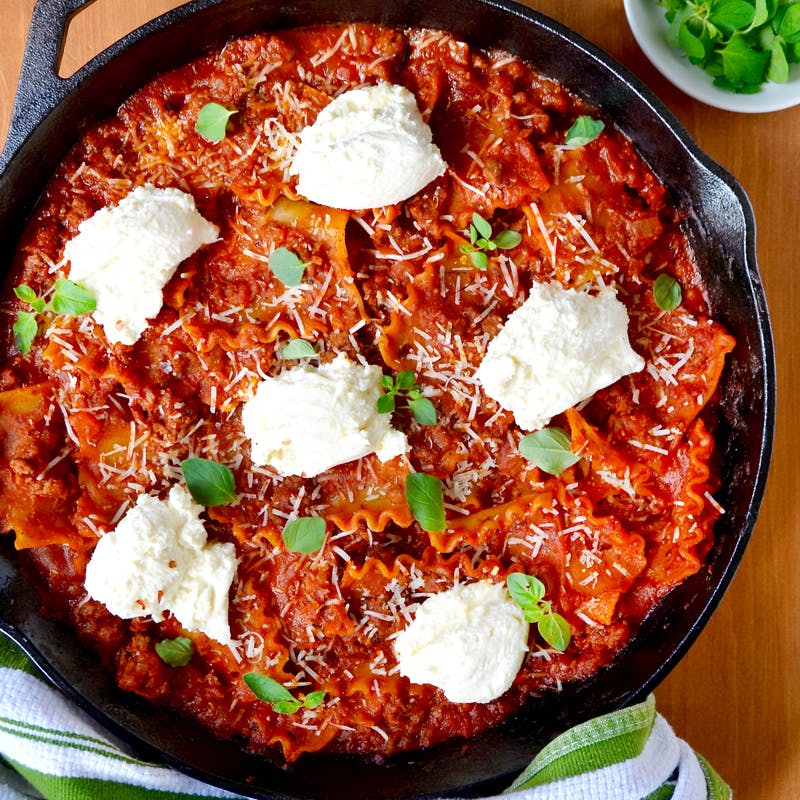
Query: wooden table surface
[736, 695]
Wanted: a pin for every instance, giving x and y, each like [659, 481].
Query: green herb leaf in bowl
[741, 44]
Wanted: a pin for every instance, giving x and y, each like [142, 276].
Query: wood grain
[735, 697]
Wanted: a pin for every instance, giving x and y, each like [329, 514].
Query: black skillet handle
[40, 89]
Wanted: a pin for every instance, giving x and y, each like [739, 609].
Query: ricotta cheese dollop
[125, 254]
[309, 419]
[558, 348]
[470, 641]
[157, 559]
[369, 147]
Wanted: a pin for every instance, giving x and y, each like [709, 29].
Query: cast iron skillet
[49, 114]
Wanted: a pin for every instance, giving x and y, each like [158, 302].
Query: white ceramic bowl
[649, 27]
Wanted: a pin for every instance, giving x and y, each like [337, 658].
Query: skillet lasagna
[357, 385]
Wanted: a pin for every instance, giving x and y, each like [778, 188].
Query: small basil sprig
[549, 449]
[583, 131]
[212, 121]
[209, 483]
[667, 292]
[298, 348]
[287, 266]
[482, 241]
[425, 498]
[281, 699]
[68, 298]
[175, 652]
[528, 593]
[404, 385]
[304, 534]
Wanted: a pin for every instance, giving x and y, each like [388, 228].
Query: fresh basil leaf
[27, 295]
[713, 66]
[212, 121]
[691, 45]
[722, 82]
[387, 381]
[667, 292]
[287, 267]
[424, 411]
[286, 706]
[298, 348]
[742, 64]
[479, 260]
[549, 449]
[304, 534]
[525, 590]
[555, 630]
[70, 298]
[765, 37]
[505, 240]
[790, 24]
[25, 330]
[534, 614]
[482, 226]
[761, 14]
[209, 483]
[404, 380]
[583, 131]
[425, 498]
[175, 652]
[676, 22]
[313, 699]
[778, 68]
[267, 689]
[732, 15]
[386, 404]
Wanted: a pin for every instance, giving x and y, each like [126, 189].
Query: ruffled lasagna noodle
[86, 427]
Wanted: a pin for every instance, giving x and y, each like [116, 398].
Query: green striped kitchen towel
[50, 749]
